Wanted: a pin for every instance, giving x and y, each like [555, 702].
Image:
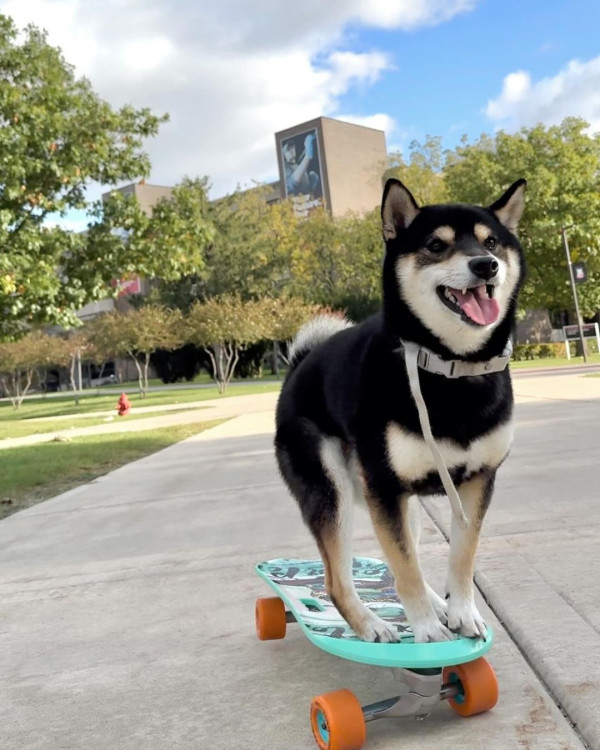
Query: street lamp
[574, 290]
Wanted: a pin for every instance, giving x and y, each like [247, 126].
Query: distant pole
[574, 290]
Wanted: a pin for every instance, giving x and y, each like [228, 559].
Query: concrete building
[147, 195]
[330, 163]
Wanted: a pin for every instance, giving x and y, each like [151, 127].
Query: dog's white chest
[411, 459]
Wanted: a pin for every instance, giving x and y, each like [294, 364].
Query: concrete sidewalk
[128, 604]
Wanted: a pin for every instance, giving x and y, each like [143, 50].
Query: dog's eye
[490, 243]
[436, 246]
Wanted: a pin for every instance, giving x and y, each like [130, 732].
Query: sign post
[572, 333]
[574, 290]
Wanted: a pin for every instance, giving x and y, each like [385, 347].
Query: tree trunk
[275, 359]
[72, 367]
[146, 367]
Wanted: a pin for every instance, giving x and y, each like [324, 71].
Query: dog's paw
[373, 629]
[430, 630]
[440, 606]
[464, 618]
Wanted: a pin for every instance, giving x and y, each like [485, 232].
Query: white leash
[411, 352]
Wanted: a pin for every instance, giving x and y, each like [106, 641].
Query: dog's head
[452, 272]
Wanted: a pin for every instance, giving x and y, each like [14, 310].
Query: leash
[415, 357]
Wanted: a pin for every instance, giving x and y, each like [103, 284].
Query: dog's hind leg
[392, 523]
[318, 474]
[414, 517]
[463, 615]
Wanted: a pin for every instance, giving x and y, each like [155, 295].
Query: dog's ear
[398, 209]
[509, 208]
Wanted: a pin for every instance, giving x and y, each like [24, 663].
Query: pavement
[128, 604]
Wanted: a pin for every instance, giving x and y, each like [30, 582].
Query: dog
[347, 424]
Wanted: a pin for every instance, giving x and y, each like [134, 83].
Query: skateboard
[427, 673]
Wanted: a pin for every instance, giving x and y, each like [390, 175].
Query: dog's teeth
[463, 291]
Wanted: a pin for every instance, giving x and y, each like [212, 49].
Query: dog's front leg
[392, 525]
[463, 615]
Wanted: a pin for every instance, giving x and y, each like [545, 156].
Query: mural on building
[302, 174]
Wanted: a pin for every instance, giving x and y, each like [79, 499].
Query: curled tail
[313, 333]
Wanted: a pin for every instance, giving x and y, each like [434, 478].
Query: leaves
[562, 167]
[136, 334]
[19, 359]
[56, 136]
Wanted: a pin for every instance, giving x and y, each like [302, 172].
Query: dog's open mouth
[476, 305]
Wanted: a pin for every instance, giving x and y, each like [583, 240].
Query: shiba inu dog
[348, 427]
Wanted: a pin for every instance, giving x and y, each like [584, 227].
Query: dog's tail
[313, 333]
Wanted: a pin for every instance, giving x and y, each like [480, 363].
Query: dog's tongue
[477, 305]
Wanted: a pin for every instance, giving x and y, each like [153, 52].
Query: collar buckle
[457, 368]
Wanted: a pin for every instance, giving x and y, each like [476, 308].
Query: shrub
[538, 351]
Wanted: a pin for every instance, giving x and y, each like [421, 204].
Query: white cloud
[410, 14]
[573, 92]
[229, 73]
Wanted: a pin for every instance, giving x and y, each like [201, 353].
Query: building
[330, 163]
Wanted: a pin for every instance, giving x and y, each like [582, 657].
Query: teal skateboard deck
[428, 673]
[301, 586]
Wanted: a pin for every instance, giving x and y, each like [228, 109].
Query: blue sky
[444, 75]
[232, 73]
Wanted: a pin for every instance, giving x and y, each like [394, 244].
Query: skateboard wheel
[479, 686]
[270, 618]
[337, 721]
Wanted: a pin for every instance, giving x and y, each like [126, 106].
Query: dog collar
[458, 368]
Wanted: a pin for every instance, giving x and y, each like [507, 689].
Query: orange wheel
[479, 687]
[337, 721]
[270, 618]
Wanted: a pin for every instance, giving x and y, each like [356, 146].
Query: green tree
[20, 359]
[286, 316]
[137, 334]
[337, 262]
[224, 326]
[57, 137]
[562, 166]
[252, 245]
[422, 172]
[180, 227]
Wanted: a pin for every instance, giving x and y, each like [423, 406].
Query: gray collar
[458, 368]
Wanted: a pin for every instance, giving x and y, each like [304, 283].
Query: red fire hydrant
[123, 406]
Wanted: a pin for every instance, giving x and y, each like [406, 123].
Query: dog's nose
[484, 267]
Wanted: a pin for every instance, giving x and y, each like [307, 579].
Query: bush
[538, 351]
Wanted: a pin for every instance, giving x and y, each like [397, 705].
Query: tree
[137, 334]
[337, 262]
[20, 359]
[225, 325]
[287, 316]
[57, 137]
[252, 245]
[422, 173]
[562, 166]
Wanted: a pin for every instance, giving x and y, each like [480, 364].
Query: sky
[231, 73]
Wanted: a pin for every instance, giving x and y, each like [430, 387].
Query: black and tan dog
[347, 423]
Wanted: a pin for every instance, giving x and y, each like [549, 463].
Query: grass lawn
[203, 378]
[62, 406]
[17, 428]
[554, 362]
[34, 473]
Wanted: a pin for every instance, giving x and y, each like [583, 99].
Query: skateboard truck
[422, 691]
